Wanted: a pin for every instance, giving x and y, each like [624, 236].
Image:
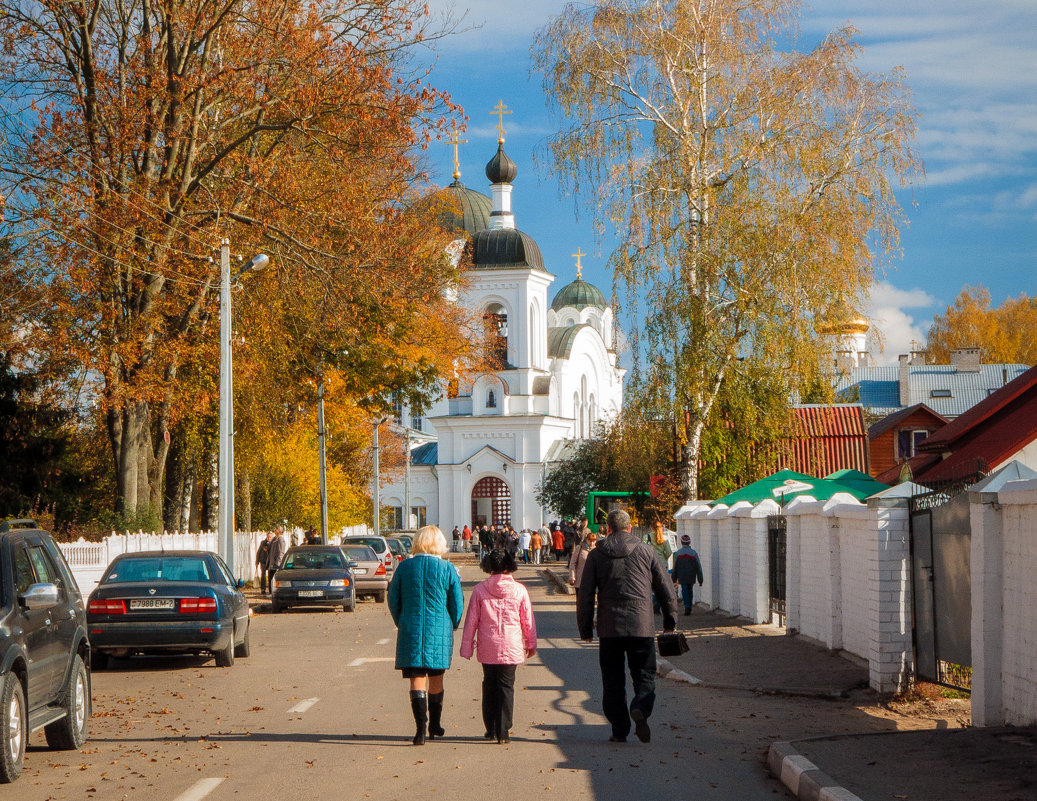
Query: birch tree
[750, 184]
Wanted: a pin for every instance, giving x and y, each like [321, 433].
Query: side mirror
[40, 596]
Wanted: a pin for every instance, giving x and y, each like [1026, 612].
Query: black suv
[44, 650]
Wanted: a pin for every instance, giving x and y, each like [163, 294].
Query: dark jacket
[275, 555]
[262, 552]
[623, 572]
[686, 566]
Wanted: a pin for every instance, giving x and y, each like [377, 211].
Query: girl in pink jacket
[499, 625]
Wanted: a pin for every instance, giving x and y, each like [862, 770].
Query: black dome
[473, 209]
[497, 248]
[501, 169]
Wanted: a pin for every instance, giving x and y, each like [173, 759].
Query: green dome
[579, 295]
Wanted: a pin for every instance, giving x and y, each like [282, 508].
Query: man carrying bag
[622, 573]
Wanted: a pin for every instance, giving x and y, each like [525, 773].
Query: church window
[416, 420]
[495, 326]
[397, 410]
[491, 400]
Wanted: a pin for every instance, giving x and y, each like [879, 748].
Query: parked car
[44, 647]
[313, 575]
[399, 550]
[406, 538]
[380, 547]
[369, 574]
[171, 602]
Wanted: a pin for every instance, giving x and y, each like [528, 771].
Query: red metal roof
[829, 438]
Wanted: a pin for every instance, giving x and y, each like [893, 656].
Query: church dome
[579, 295]
[501, 169]
[466, 209]
[501, 248]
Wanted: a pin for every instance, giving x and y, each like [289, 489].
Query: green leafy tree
[751, 187]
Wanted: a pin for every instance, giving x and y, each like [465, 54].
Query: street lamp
[225, 527]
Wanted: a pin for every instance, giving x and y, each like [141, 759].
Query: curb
[802, 777]
[560, 583]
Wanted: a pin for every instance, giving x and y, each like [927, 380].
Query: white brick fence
[848, 585]
[88, 560]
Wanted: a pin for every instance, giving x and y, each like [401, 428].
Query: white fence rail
[88, 560]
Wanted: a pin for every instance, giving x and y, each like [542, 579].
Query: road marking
[386, 641]
[362, 660]
[199, 790]
[302, 706]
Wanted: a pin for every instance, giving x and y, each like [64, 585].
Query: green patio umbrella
[785, 484]
[859, 485]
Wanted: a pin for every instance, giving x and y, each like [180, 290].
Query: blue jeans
[686, 595]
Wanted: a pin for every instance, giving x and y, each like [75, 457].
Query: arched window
[491, 400]
[577, 417]
[495, 326]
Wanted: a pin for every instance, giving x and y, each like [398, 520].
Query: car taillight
[380, 571]
[106, 606]
[195, 606]
[388, 558]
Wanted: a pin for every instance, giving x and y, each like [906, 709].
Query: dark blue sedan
[180, 602]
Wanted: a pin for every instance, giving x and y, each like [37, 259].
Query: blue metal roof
[944, 388]
[426, 454]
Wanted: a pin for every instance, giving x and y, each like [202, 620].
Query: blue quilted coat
[425, 601]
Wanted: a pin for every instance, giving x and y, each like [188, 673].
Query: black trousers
[270, 579]
[638, 655]
[498, 698]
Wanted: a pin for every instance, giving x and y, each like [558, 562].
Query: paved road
[318, 712]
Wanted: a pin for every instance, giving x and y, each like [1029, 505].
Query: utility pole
[406, 483]
[225, 527]
[375, 494]
[321, 431]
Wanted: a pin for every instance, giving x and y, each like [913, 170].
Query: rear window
[314, 560]
[359, 553]
[162, 568]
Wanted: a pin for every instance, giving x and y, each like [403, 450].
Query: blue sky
[972, 69]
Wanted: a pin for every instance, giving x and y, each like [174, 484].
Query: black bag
[672, 643]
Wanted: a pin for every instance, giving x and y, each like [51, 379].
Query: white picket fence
[88, 560]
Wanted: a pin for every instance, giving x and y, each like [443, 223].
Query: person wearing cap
[686, 569]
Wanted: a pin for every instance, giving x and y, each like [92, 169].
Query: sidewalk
[894, 750]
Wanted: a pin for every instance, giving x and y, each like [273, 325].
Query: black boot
[419, 706]
[435, 712]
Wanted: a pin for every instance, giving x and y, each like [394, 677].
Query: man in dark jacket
[278, 548]
[623, 572]
[686, 570]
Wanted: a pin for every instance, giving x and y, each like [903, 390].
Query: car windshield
[396, 547]
[313, 560]
[377, 545]
[359, 553]
[159, 568]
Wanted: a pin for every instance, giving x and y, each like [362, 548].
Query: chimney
[965, 360]
[905, 379]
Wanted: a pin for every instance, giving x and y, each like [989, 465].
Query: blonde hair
[660, 532]
[429, 539]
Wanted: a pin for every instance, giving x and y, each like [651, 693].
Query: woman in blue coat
[425, 601]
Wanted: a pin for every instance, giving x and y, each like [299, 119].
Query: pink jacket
[499, 622]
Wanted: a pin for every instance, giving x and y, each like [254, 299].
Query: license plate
[311, 593]
[152, 603]
[360, 571]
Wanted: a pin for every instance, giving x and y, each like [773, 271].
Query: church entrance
[491, 502]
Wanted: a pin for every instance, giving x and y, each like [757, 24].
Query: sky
[972, 70]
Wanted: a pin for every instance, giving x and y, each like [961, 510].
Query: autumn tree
[139, 135]
[1003, 334]
[751, 188]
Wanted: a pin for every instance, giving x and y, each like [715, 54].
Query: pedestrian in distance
[579, 558]
[262, 553]
[455, 536]
[686, 570]
[535, 545]
[545, 543]
[558, 543]
[499, 628]
[524, 538]
[466, 538]
[619, 577]
[274, 557]
[425, 601]
[661, 543]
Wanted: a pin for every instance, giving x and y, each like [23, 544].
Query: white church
[481, 450]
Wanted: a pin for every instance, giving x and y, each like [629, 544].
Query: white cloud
[894, 330]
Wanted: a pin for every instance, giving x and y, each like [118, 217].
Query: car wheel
[379, 597]
[99, 660]
[14, 727]
[245, 647]
[275, 607]
[225, 656]
[69, 733]
[350, 607]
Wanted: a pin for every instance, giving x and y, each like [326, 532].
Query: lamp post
[376, 494]
[225, 528]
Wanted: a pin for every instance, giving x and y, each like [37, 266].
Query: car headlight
[278, 583]
[338, 583]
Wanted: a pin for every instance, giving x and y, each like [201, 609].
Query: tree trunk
[212, 493]
[690, 461]
[246, 501]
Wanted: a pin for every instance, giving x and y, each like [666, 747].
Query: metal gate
[776, 547]
[941, 585]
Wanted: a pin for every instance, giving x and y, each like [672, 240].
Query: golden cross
[579, 267]
[500, 111]
[453, 140]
